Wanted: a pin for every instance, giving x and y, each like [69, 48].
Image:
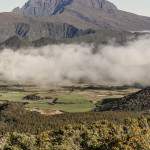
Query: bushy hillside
[14, 117]
[139, 101]
[133, 134]
[21, 129]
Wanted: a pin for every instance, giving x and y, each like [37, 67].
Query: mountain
[54, 7]
[63, 19]
[88, 36]
[138, 101]
[33, 29]
[84, 14]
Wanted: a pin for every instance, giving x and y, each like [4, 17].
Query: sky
[141, 7]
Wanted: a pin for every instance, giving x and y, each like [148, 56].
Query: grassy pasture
[68, 101]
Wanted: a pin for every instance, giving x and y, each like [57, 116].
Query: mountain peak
[53, 7]
[44, 7]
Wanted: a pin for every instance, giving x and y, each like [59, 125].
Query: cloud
[70, 63]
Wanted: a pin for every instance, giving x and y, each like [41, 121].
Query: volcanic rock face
[53, 7]
[44, 7]
[139, 101]
[36, 30]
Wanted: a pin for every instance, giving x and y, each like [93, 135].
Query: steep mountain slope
[87, 36]
[32, 29]
[85, 13]
[59, 19]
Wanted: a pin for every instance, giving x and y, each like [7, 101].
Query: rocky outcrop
[80, 36]
[139, 101]
[33, 30]
[14, 43]
[60, 31]
[71, 36]
[22, 29]
[32, 97]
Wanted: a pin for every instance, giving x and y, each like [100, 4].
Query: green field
[68, 101]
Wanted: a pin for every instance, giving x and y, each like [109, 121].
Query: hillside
[133, 134]
[87, 36]
[139, 101]
[22, 129]
[34, 29]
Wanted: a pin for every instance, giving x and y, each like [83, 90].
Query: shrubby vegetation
[13, 117]
[137, 102]
[133, 134]
[24, 130]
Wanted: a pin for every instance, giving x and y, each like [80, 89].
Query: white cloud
[63, 64]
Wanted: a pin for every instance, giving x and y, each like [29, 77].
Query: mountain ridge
[82, 15]
[54, 7]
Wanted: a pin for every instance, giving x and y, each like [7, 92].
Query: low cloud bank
[69, 63]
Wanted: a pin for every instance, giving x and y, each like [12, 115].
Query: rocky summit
[95, 14]
[53, 7]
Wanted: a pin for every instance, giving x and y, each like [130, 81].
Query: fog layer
[70, 63]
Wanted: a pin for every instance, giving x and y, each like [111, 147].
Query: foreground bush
[133, 134]
[14, 118]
